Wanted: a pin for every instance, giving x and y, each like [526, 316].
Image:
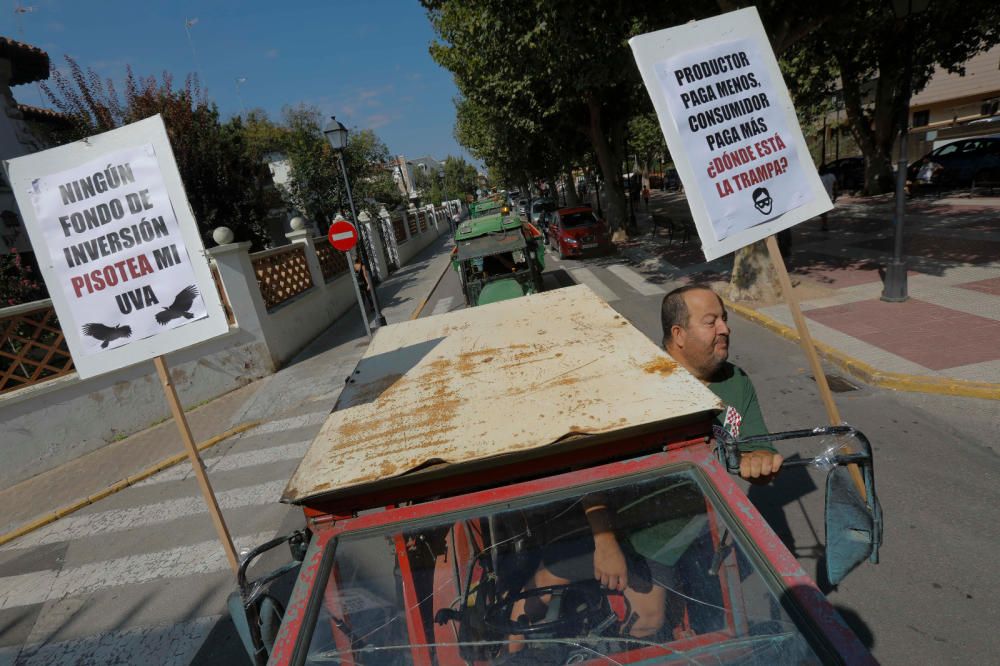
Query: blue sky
[365, 61]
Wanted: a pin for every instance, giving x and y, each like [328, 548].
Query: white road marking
[40, 586]
[172, 645]
[443, 305]
[587, 277]
[233, 461]
[82, 526]
[291, 423]
[636, 281]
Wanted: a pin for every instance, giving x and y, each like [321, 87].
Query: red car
[575, 232]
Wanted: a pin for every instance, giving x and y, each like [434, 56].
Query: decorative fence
[32, 347]
[331, 262]
[422, 220]
[411, 223]
[282, 274]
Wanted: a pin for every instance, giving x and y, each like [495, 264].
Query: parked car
[522, 208]
[671, 181]
[849, 172]
[539, 206]
[575, 232]
[958, 164]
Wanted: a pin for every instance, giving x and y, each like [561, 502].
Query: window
[921, 118]
[449, 584]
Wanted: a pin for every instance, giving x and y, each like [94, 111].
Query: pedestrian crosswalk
[138, 578]
[636, 281]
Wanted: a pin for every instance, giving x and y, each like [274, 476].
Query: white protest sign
[118, 247]
[731, 129]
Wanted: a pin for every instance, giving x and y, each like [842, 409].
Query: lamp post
[895, 289]
[336, 134]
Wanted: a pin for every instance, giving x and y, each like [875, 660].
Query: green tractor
[496, 256]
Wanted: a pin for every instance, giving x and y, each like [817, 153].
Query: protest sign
[118, 247]
[731, 129]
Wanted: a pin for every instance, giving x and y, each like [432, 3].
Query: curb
[423, 302]
[871, 375]
[119, 485]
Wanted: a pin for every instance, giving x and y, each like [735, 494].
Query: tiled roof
[45, 115]
[29, 63]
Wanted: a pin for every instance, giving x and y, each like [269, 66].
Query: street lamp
[895, 289]
[336, 134]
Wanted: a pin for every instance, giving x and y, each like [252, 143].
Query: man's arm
[609, 562]
[761, 463]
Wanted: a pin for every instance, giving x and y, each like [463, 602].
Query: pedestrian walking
[362, 274]
[645, 197]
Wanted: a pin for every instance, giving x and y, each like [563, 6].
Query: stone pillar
[240, 283]
[304, 237]
[375, 234]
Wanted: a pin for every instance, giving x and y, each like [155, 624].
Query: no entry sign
[343, 236]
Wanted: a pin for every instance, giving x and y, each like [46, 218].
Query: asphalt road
[930, 599]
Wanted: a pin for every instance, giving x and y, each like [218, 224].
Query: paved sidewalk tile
[949, 326]
[930, 335]
[990, 286]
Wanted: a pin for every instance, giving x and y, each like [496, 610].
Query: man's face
[703, 345]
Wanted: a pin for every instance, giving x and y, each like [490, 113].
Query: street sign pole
[379, 317]
[357, 292]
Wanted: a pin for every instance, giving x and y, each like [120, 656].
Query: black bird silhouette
[180, 307]
[107, 333]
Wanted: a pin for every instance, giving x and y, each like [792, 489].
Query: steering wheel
[574, 608]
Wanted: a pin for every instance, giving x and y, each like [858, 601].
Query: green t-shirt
[741, 417]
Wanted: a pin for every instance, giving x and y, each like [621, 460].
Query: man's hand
[759, 466]
[609, 562]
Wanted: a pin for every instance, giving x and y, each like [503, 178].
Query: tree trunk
[609, 157]
[754, 277]
[875, 133]
[572, 198]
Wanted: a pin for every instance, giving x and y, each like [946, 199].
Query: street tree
[221, 177]
[646, 139]
[864, 51]
[460, 178]
[315, 185]
[541, 66]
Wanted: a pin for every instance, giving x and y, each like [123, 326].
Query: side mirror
[853, 522]
[256, 614]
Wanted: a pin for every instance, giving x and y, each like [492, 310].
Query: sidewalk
[316, 374]
[944, 339]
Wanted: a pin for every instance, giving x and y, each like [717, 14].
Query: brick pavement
[949, 329]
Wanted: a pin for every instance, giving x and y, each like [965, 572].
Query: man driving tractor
[696, 335]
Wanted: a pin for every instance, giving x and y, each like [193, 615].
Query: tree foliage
[18, 283]
[316, 183]
[864, 49]
[544, 80]
[222, 179]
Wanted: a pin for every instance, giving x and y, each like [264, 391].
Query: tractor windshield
[514, 583]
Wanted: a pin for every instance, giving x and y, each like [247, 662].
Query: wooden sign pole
[196, 462]
[805, 339]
